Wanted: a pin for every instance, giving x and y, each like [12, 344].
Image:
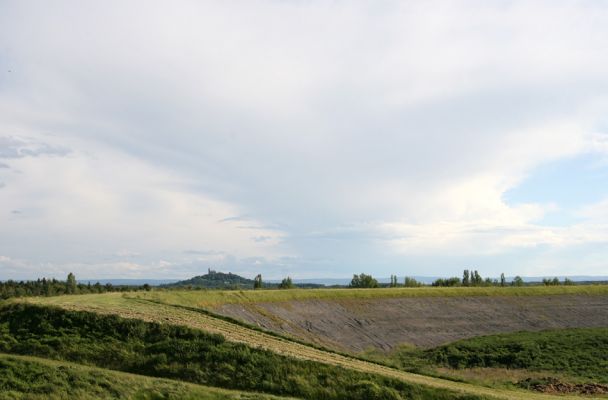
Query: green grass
[23, 377]
[190, 355]
[210, 298]
[579, 353]
[117, 304]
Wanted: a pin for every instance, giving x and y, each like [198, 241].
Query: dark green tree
[257, 282]
[286, 283]
[71, 284]
[363, 281]
[477, 279]
[517, 281]
[466, 278]
[454, 281]
[503, 281]
[411, 282]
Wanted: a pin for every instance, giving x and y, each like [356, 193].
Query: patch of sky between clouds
[569, 184]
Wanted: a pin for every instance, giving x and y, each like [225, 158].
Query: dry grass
[210, 298]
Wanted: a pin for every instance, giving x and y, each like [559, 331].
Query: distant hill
[221, 280]
[217, 280]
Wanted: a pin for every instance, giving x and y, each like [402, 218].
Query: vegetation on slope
[187, 354]
[564, 361]
[35, 378]
[576, 352]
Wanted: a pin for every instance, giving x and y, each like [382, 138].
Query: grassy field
[210, 298]
[131, 307]
[26, 377]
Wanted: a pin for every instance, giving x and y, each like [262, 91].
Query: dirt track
[360, 324]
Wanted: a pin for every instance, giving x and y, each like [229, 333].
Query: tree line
[54, 287]
[470, 278]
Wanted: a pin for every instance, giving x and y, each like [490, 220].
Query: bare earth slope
[358, 324]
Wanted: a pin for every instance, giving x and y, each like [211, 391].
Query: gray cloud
[262, 238]
[204, 252]
[15, 147]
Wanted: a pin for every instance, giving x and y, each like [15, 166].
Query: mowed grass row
[211, 298]
[33, 378]
[127, 307]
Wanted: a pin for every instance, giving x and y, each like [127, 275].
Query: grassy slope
[213, 297]
[581, 353]
[136, 308]
[192, 355]
[578, 355]
[23, 377]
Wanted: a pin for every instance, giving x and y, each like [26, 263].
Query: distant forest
[54, 287]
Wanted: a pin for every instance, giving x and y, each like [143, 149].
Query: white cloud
[597, 212]
[350, 120]
[92, 203]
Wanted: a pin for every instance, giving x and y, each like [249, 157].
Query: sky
[315, 139]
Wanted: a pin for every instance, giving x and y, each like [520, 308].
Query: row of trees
[473, 278]
[556, 282]
[54, 287]
[469, 278]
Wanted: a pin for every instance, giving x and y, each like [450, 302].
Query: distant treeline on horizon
[228, 281]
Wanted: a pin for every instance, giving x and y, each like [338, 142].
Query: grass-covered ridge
[33, 378]
[212, 297]
[189, 355]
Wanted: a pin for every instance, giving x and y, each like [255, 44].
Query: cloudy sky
[303, 138]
